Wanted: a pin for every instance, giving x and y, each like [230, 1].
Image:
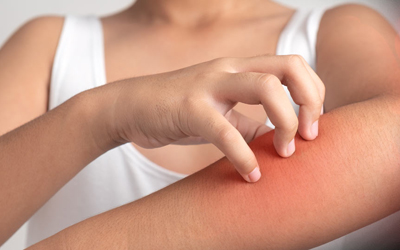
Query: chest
[152, 50]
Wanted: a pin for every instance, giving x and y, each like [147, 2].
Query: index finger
[306, 89]
[215, 128]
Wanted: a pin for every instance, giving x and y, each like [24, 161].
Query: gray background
[13, 13]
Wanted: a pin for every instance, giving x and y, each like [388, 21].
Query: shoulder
[38, 35]
[42, 21]
[352, 17]
[356, 47]
[39, 31]
[351, 10]
[32, 47]
[354, 31]
[30, 51]
[26, 61]
[350, 25]
[41, 25]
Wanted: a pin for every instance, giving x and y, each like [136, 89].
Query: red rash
[345, 179]
[320, 193]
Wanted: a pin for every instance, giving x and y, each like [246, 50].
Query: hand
[194, 104]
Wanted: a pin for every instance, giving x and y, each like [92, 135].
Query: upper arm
[357, 55]
[25, 68]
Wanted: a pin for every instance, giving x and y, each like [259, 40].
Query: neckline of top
[99, 46]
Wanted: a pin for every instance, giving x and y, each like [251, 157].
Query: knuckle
[222, 63]
[267, 83]
[242, 76]
[248, 164]
[226, 135]
[295, 62]
[190, 103]
[292, 126]
[204, 78]
[316, 103]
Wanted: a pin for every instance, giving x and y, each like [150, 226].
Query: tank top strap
[79, 60]
[299, 37]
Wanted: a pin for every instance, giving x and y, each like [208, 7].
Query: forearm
[347, 178]
[38, 158]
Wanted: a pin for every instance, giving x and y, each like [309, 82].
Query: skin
[121, 66]
[110, 117]
[211, 25]
[306, 200]
[379, 92]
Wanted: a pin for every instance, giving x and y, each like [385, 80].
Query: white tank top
[123, 175]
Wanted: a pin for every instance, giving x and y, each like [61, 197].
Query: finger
[303, 87]
[247, 127]
[318, 82]
[215, 128]
[256, 88]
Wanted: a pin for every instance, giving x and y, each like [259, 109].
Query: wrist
[95, 111]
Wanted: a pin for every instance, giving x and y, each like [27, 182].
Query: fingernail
[254, 176]
[291, 148]
[314, 129]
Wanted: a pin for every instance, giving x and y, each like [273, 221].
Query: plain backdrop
[14, 13]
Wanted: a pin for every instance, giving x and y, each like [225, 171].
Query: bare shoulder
[343, 14]
[37, 38]
[356, 48]
[38, 33]
[352, 9]
[348, 21]
[26, 61]
[41, 25]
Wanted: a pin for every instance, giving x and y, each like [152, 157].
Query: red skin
[297, 197]
[344, 180]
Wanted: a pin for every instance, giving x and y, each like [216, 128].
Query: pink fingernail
[255, 175]
[291, 148]
[314, 129]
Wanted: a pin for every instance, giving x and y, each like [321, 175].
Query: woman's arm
[358, 55]
[389, 103]
[346, 179]
[38, 158]
[25, 69]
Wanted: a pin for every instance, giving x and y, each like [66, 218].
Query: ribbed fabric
[123, 175]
